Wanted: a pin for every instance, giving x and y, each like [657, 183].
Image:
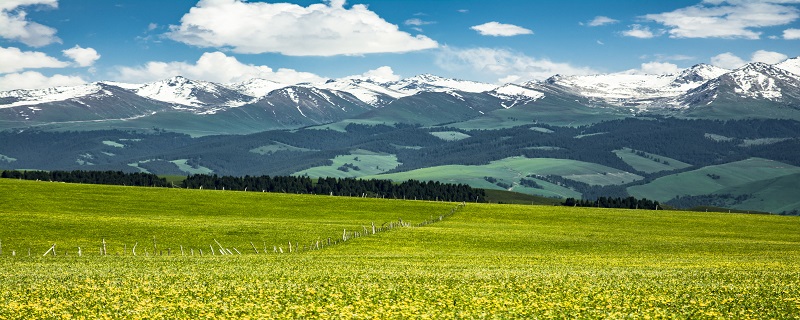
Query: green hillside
[752, 176]
[502, 261]
[511, 171]
[358, 163]
[648, 162]
[558, 109]
[772, 195]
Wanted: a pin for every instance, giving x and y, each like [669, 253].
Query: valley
[727, 134]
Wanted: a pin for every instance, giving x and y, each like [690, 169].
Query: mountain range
[704, 136]
[756, 90]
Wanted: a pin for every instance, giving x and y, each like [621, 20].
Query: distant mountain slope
[756, 90]
[712, 179]
[431, 108]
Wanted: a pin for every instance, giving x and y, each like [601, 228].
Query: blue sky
[65, 42]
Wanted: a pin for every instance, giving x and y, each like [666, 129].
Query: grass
[512, 170]
[503, 261]
[275, 147]
[359, 163]
[450, 135]
[740, 175]
[648, 164]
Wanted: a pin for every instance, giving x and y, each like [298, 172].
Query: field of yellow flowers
[483, 261]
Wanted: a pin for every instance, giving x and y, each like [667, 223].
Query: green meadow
[483, 261]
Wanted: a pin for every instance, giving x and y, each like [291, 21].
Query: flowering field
[484, 261]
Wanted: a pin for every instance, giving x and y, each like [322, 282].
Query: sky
[46, 43]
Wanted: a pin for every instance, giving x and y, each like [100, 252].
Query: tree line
[411, 189]
[90, 177]
[608, 202]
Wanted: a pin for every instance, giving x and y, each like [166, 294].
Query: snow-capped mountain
[16, 98]
[792, 65]
[432, 83]
[193, 95]
[424, 99]
[256, 87]
[754, 81]
[634, 89]
[366, 90]
[512, 95]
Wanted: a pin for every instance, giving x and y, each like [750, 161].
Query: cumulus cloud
[639, 31]
[15, 26]
[497, 29]
[791, 34]
[504, 65]
[381, 74]
[211, 66]
[317, 30]
[83, 57]
[36, 80]
[727, 18]
[729, 60]
[601, 21]
[659, 68]
[768, 57]
[15, 60]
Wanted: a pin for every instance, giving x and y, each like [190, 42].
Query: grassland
[511, 171]
[648, 164]
[358, 163]
[450, 135]
[749, 176]
[486, 261]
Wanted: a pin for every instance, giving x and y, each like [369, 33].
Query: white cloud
[504, 64]
[15, 60]
[212, 66]
[497, 29]
[463, 11]
[15, 26]
[727, 18]
[83, 57]
[417, 22]
[601, 21]
[381, 74]
[791, 34]
[36, 80]
[769, 57]
[639, 31]
[152, 26]
[317, 30]
[729, 60]
[659, 68]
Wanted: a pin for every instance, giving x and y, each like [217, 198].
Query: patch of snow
[256, 87]
[38, 96]
[428, 82]
[792, 65]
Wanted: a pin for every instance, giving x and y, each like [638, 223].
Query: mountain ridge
[678, 94]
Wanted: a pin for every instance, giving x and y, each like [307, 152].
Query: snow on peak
[516, 95]
[429, 82]
[25, 97]
[365, 90]
[792, 65]
[178, 90]
[761, 80]
[698, 74]
[256, 87]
